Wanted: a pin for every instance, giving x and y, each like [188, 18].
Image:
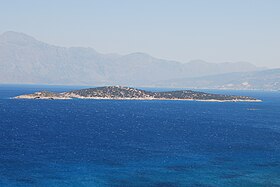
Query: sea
[135, 143]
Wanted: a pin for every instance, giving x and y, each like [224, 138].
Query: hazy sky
[183, 30]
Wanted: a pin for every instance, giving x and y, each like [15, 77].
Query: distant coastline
[21, 54]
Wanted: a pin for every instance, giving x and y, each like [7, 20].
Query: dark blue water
[87, 143]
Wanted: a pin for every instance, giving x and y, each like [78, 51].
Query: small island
[127, 93]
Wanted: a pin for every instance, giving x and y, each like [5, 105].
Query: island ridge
[127, 93]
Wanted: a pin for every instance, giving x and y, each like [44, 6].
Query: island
[127, 93]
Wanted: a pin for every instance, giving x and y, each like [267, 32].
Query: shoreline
[142, 99]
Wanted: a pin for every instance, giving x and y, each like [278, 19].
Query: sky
[182, 30]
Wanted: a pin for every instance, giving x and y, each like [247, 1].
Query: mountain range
[25, 60]
[255, 80]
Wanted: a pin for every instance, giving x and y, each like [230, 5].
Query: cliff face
[118, 92]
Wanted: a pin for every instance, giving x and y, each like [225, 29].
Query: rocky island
[127, 93]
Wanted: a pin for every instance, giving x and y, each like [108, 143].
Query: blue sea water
[88, 143]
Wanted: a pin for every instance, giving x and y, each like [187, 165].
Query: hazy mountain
[24, 59]
[266, 79]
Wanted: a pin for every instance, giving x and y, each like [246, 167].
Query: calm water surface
[88, 143]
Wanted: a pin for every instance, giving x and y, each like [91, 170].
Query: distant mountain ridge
[257, 80]
[24, 59]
